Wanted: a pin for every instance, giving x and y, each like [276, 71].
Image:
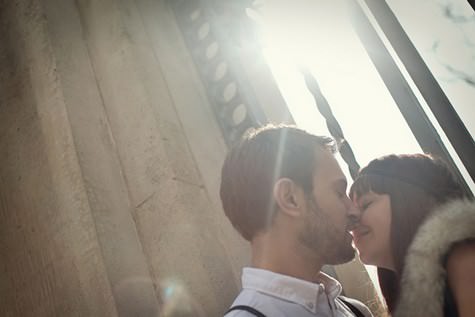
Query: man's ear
[288, 196]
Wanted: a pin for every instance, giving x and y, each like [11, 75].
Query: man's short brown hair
[252, 167]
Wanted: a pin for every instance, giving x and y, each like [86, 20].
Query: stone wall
[109, 166]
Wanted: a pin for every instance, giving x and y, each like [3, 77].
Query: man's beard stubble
[322, 236]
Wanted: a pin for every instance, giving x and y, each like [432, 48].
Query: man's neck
[277, 254]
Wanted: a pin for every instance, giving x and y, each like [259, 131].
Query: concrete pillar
[109, 168]
[51, 261]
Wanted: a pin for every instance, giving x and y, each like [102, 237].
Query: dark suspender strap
[248, 309]
[352, 307]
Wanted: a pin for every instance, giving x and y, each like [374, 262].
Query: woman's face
[372, 233]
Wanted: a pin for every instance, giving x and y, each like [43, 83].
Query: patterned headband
[402, 178]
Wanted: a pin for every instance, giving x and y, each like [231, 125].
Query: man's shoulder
[263, 304]
[247, 298]
[253, 309]
[240, 313]
[245, 313]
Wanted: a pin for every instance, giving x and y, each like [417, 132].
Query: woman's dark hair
[415, 183]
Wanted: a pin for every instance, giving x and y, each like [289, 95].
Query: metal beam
[229, 91]
[428, 86]
[412, 111]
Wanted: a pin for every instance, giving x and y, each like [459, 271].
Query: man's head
[286, 172]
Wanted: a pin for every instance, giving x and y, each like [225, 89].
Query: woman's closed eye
[365, 205]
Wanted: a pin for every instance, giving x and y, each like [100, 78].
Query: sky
[317, 34]
[444, 45]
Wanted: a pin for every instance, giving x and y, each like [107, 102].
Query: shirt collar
[290, 288]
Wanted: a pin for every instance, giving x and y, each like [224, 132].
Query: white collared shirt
[277, 295]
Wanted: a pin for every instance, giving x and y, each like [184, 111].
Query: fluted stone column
[109, 168]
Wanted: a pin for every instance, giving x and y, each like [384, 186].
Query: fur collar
[424, 275]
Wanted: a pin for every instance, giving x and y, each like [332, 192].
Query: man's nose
[353, 214]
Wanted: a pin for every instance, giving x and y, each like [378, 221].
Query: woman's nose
[353, 210]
